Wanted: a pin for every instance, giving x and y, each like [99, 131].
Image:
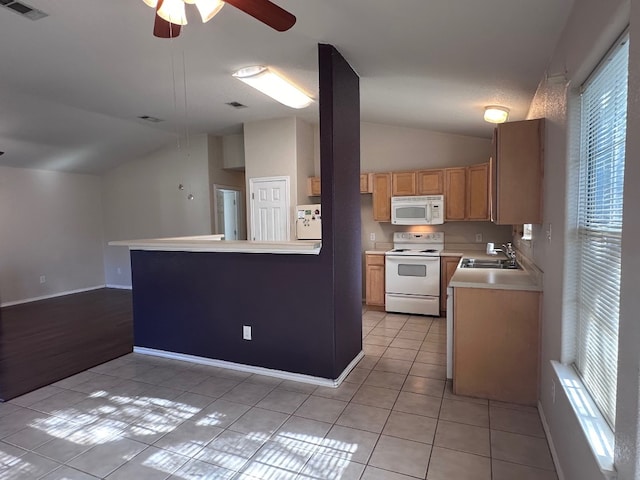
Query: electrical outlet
[43, 279]
[548, 232]
[478, 238]
[553, 391]
[119, 271]
[372, 237]
[246, 332]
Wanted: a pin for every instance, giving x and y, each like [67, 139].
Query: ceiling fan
[170, 14]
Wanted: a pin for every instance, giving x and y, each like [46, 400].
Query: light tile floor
[395, 417]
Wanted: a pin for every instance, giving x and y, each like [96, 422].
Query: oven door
[412, 275]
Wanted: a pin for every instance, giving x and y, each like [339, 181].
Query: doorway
[228, 211]
[269, 197]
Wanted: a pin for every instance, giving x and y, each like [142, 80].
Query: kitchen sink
[500, 263]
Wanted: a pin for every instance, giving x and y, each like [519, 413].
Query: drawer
[375, 259]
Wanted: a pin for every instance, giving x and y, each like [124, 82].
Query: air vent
[148, 118]
[236, 105]
[24, 9]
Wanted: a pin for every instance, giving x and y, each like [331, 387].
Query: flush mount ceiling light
[496, 114]
[271, 84]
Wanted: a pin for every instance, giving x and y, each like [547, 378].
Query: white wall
[142, 200]
[304, 160]
[591, 29]
[281, 147]
[50, 224]
[217, 149]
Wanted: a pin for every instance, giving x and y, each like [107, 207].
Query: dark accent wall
[340, 175]
[305, 310]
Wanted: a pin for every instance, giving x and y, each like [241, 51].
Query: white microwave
[417, 210]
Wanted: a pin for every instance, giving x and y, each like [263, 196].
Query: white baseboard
[53, 295]
[552, 447]
[297, 377]
[119, 287]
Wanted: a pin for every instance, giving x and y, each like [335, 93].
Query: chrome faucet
[509, 252]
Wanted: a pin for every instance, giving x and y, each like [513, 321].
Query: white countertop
[375, 252]
[525, 279]
[215, 243]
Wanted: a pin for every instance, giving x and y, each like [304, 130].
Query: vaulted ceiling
[73, 84]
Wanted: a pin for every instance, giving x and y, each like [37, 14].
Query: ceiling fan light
[496, 114]
[263, 79]
[190, 2]
[151, 3]
[208, 8]
[173, 11]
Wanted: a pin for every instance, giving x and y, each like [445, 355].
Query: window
[599, 227]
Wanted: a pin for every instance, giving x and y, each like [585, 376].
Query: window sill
[596, 430]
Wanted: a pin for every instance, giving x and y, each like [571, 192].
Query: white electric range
[412, 273]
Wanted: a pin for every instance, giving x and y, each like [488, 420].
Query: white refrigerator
[309, 222]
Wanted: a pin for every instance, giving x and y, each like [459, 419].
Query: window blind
[599, 226]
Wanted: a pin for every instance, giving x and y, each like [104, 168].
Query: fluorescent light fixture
[273, 85]
[496, 114]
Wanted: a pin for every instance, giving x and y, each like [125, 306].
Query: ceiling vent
[148, 118]
[236, 105]
[24, 9]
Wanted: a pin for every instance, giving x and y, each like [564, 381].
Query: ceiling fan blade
[162, 28]
[267, 12]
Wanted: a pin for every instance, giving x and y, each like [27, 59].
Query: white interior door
[230, 214]
[270, 209]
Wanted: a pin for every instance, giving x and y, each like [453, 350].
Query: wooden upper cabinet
[455, 200]
[430, 182]
[478, 192]
[518, 172]
[404, 183]
[382, 197]
[366, 183]
[313, 186]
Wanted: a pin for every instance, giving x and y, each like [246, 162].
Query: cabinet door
[313, 186]
[519, 172]
[495, 344]
[455, 193]
[382, 197]
[366, 183]
[478, 192]
[430, 182]
[404, 183]
[448, 267]
[375, 280]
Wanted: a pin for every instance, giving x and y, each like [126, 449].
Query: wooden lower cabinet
[496, 342]
[448, 267]
[375, 279]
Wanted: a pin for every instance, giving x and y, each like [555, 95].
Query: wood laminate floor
[48, 340]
